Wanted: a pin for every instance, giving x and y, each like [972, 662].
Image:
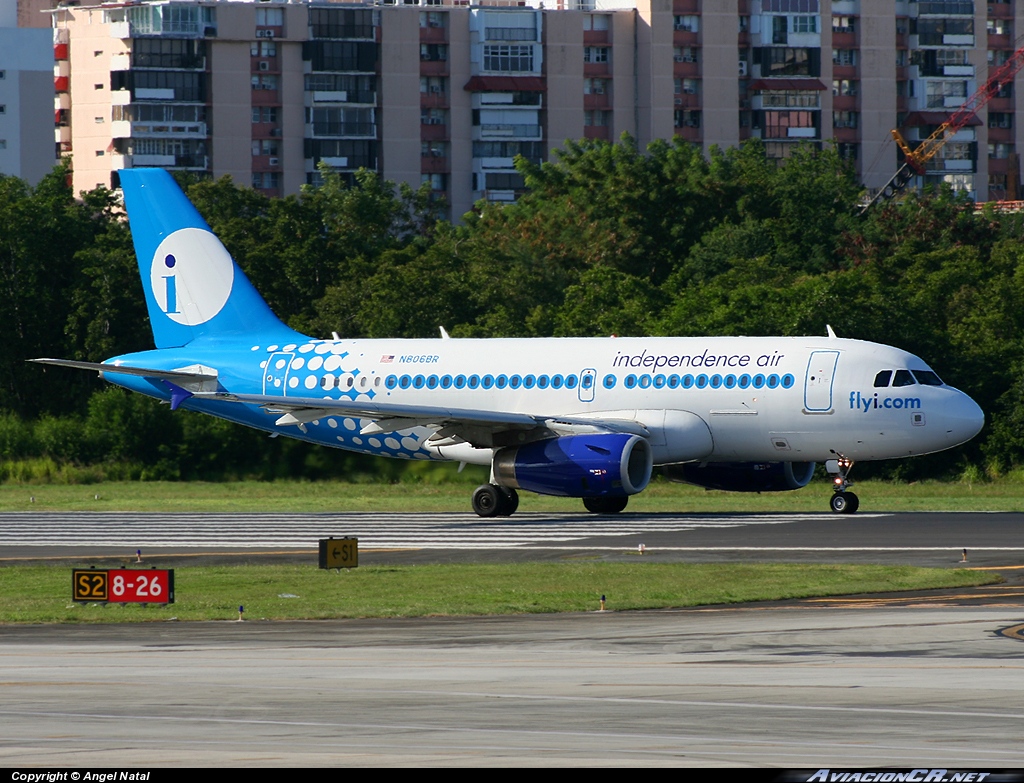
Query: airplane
[585, 418]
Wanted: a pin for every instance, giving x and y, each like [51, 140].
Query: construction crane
[917, 157]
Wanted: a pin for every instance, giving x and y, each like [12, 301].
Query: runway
[935, 539]
[792, 687]
[899, 681]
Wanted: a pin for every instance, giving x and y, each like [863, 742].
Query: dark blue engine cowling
[578, 466]
[744, 476]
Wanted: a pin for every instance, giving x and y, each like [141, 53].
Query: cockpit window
[927, 378]
[903, 378]
[882, 379]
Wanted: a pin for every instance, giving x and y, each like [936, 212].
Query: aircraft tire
[844, 503]
[509, 501]
[605, 505]
[488, 500]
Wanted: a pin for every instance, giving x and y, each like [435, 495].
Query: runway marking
[420, 531]
[1013, 632]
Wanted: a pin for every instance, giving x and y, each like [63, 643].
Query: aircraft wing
[481, 428]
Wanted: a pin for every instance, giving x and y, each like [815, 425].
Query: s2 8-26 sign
[123, 585]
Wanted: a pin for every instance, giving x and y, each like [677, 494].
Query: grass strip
[335, 497]
[42, 594]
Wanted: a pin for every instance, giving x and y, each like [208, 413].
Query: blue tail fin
[193, 286]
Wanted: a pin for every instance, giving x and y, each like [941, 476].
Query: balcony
[688, 134]
[685, 70]
[433, 100]
[507, 130]
[433, 164]
[124, 129]
[433, 132]
[597, 132]
[596, 101]
[265, 97]
[433, 67]
[434, 35]
[682, 37]
[595, 37]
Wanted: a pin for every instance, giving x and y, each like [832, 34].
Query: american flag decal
[387, 359]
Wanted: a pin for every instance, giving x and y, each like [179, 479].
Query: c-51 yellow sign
[339, 552]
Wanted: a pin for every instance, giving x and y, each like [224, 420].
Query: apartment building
[26, 105]
[448, 93]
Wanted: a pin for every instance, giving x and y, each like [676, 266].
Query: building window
[263, 49]
[595, 54]
[844, 119]
[433, 117]
[805, 24]
[595, 86]
[266, 180]
[789, 6]
[690, 86]
[998, 26]
[843, 24]
[3, 110]
[943, 93]
[844, 56]
[433, 19]
[596, 118]
[595, 22]
[264, 82]
[270, 17]
[685, 54]
[433, 149]
[686, 118]
[433, 53]
[512, 57]
[264, 114]
[264, 147]
[847, 151]
[999, 119]
[844, 87]
[3, 144]
[999, 150]
[687, 24]
[3, 75]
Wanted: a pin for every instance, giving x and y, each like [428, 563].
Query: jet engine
[578, 466]
[743, 476]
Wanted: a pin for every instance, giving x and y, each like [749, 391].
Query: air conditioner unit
[690, 90]
[599, 91]
[264, 66]
[743, 68]
[678, 58]
[692, 124]
[679, 101]
[264, 33]
[275, 161]
[435, 89]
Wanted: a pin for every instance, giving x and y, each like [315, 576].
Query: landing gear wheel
[488, 500]
[605, 505]
[844, 502]
[509, 501]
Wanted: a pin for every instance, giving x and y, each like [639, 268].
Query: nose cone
[963, 420]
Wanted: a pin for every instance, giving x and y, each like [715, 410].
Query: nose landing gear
[843, 502]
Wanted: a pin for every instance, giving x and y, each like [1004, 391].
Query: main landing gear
[843, 502]
[490, 500]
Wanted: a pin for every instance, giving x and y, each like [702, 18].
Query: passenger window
[927, 378]
[882, 379]
[903, 378]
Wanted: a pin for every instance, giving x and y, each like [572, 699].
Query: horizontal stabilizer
[179, 376]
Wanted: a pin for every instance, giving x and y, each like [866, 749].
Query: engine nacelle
[744, 476]
[578, 466]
